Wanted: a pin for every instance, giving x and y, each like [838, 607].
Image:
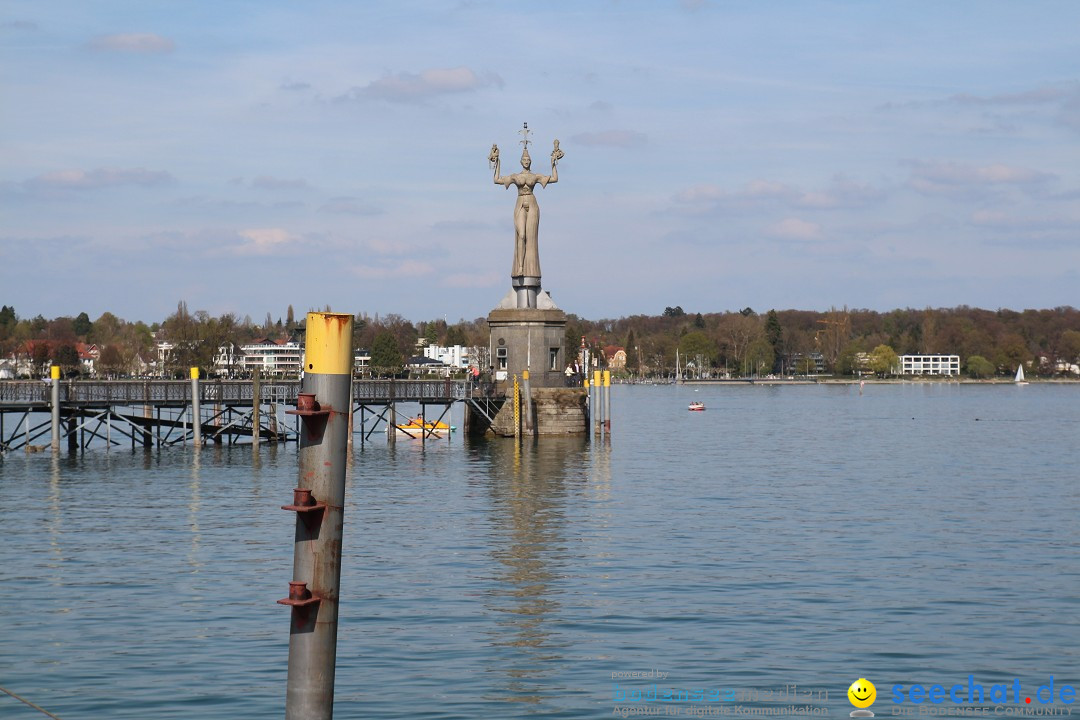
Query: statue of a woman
[526, 211]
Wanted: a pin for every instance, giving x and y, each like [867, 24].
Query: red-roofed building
[615, 356]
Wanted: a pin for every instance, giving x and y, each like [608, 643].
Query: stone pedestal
[528, 338]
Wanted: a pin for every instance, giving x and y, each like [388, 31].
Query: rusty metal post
[54, 373]
[319, 500]
[196, 411]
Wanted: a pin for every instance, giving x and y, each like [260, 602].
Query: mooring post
[391, 429]
[196, 411]
[349, 444]
[54, 373]
[528, 403]
[517, 409]
[256, 408]
[319, 500]
[598, 418]
[589, 406]
[607, 401]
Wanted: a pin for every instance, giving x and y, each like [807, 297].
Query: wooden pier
[158, 413]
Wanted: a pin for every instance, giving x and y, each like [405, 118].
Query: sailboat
[1019, 380]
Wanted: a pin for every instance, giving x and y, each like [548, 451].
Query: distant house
[164, 357]
[796, 363]
[362, 361]
[455, 356]
[273, 357]
[228, 359]
[89, 354]
[427, 366]
[615, 356]
[929, 364]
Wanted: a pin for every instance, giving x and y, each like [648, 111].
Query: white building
[929, 364]
[228, 359]
[273, 357]
[456, 356]
[362, 361]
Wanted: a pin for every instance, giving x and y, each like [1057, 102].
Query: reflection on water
[528, 488]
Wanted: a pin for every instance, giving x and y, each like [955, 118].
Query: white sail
[1019, 373]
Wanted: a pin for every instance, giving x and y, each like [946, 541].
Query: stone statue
[525, 271]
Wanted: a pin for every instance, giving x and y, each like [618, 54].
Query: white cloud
[418, 87]
[143, 43]
[265, 241]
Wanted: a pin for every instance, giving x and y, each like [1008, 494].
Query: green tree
[676, 311]
[82, 325]
[884, 360]
[774, 335]
[697, 343]
[385, 355]
[980, 367]
[455, 335]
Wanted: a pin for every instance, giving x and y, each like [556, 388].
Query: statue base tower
[532, 336]
[528, 332]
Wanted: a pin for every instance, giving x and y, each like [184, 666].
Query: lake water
[803, 535]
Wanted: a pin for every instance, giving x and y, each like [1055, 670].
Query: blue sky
[244, 156]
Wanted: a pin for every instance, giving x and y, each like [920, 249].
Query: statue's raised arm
[493, 159]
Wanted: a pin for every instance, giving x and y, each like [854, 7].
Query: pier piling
[318, 501]
[196, 411]
[54, 373]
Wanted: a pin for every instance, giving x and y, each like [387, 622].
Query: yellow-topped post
[54, 374]
[196, 410]
[607, 401]
[598, 419]
[323, 406]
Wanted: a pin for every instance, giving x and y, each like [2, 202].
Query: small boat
[1019, 380]
[697, 406]
[416, 427]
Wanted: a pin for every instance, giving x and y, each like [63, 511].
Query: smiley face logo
[862, 693]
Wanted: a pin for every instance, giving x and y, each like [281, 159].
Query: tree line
[735, 343]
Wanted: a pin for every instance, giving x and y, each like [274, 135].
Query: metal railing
[157, 392]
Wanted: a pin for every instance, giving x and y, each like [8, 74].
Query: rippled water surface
[802, 535]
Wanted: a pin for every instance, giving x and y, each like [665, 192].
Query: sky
[244, 156]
